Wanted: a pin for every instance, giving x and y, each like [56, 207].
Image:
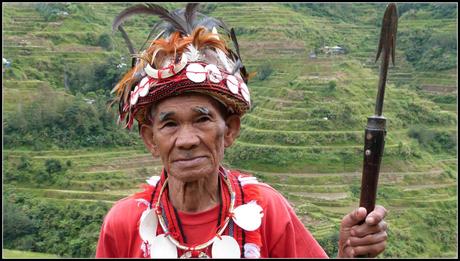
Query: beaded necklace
[192, 251]
[168, 244]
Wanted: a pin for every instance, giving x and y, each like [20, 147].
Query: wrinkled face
[190, 134]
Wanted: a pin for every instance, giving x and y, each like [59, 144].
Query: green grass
[9, 253]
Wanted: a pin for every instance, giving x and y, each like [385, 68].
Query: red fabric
[283, 234]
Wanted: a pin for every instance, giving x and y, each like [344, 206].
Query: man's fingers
[364, 229]
[376, 215]
[370, 250]
[369, 239]
[354, 217]
[349, 252]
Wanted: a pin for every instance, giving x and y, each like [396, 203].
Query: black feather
[126, 13]
[120, 107]
[233, 55]
[210, 22]
[127, 40]
[155, 26]
[190, 16]
[235, 42]
[244, 73]
[173, 18]
[170, 28]
[224, 26]
[170, 17]
[131, 49]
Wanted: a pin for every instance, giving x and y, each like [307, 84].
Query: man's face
[190, 135]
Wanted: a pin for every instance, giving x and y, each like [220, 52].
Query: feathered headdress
[187, 55]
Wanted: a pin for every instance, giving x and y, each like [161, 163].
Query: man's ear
[147, 136]
[233, 124]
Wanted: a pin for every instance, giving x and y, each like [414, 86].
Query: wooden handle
[374, 142]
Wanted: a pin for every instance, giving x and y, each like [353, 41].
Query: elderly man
[188, 92]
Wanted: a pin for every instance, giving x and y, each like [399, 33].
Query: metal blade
[388, 31]
[387, 46]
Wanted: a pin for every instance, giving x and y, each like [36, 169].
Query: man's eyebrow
[164, 115]
[202, 110]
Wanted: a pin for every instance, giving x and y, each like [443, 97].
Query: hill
[66, 162]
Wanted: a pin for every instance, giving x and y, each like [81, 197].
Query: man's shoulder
[127, 209]
[268, 194]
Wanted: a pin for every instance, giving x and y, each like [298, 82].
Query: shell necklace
[165, 245]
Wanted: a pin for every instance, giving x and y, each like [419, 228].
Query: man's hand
[368, 239]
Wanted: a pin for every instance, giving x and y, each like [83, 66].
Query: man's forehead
[164, 114]
[188, 102]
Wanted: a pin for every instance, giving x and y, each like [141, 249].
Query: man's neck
[196, 196]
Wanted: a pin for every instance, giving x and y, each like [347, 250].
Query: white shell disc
[196, 72]
[227, 247]
[232, 84]
[148, 225]
[213, 72]
[143, 91]
[144, 81]
[144, 87]
[134, 96]
[245, 92]
[248, 216]
[162, 247]
[153, 180]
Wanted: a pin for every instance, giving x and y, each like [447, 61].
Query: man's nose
[187, 138]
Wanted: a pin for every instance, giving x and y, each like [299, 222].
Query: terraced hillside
[303, 136]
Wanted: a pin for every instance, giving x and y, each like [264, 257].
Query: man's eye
[169, 124]
[203, 119]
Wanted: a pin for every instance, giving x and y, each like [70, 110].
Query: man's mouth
[188, 162]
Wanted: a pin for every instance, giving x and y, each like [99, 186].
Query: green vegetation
[51, 12]
[66, 161]
[437, 53]
[7, 253]
[65, 121]
[43, 226]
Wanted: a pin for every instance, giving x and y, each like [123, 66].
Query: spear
[374, 135]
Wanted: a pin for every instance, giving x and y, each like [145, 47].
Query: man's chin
[191, 174]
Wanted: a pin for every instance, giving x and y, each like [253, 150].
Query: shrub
[435, 140]
[331, 86]
[98, 76]
[53, 166]
[16, 224]
[330, 244]
[51, 11]
[264, 71]
[105, 41]
[24, 163]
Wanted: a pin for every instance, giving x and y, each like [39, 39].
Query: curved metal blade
[387, 46]
[388, 31]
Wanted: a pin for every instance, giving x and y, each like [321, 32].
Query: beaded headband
[186, 56]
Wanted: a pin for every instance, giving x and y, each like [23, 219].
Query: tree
[105, 41]
[16, 224]
[53, 166]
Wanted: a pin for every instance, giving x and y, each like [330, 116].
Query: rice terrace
[66, 161]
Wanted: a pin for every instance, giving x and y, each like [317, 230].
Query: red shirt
[283, 234]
